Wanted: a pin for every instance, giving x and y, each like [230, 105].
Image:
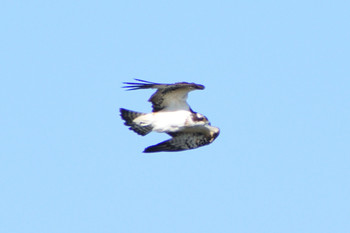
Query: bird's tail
[129, 116]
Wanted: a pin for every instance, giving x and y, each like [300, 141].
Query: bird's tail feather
[129, 116]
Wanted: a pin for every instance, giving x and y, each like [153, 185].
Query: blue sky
[277, 83]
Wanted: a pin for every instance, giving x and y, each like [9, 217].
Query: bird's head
[200, 119]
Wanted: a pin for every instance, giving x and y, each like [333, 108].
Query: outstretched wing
[185, 140]
[167, 96]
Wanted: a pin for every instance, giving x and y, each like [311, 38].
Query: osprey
[172, 115]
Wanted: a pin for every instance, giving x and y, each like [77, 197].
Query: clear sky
[277, 80]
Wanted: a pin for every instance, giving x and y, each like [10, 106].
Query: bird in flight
[172, 115]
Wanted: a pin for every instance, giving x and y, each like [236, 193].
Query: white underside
[168, 121]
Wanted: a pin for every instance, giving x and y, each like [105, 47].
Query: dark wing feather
[186, 140]
[142, 84]
[180, 142]
[166, 94]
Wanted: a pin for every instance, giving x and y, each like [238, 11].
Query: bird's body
[172, 115]
[165, 121]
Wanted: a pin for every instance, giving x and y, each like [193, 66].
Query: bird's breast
[170, 121]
